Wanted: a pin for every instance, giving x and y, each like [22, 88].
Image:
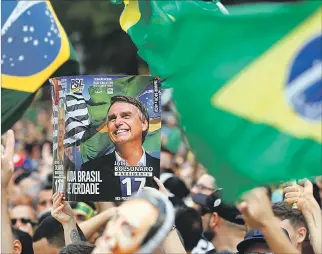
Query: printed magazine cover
[106, 136]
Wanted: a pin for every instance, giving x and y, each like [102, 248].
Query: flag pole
[222, 8]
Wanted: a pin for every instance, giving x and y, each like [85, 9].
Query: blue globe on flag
[28, 46]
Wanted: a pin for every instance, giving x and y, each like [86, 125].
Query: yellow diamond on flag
[264, 92]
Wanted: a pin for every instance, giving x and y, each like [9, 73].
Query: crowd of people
[186, 215]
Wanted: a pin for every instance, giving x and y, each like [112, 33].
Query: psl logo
[76, 85]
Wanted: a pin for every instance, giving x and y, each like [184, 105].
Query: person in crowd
[189, 224]
[205, 185]
[222, 223]
[23, 217]
[29, 185]
[301, 194]
[43, 202]
[78, 248]
[254, 242]
[94, 226]
[25, 240]
[17, 245]
[293, 221]
[166, 160]
[177, 189]
[257, 212]
[32, 155]
[138, 225]
[83, 211]
[49, 236]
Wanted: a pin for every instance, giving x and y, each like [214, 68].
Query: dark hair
[78, 248]
[44, 216]
[189, 224]
[53, 231]
[30, 146]
[47, 185]
[136, 103]
[26, 242]
[21, 177]
[177, 187]
[283, 211]
[14, 233]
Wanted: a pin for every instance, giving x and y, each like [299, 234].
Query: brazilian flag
[34, 47]
[247, 85]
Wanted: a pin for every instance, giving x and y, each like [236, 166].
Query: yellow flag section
[31, 83]
[259, 93]
[131, 14]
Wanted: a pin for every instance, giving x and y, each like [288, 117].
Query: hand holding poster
[107, 136]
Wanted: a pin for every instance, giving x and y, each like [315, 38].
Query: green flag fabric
[34, 48]
[247, 85]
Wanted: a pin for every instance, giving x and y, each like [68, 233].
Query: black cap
[253, 236]
[174, 185]
[214, 203]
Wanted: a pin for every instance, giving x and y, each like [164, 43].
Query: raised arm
[302, 195]
[63, 212]
[258, 214]
[89, 227]
[7, 169]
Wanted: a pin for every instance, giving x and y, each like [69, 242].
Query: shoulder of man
[103, 160]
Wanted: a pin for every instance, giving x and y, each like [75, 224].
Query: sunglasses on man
[23, 221]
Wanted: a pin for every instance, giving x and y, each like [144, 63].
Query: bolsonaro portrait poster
[106, 136]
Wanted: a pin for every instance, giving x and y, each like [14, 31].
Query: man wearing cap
[128, 123]
[224, 226]
[258, 214]
[254, 242]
